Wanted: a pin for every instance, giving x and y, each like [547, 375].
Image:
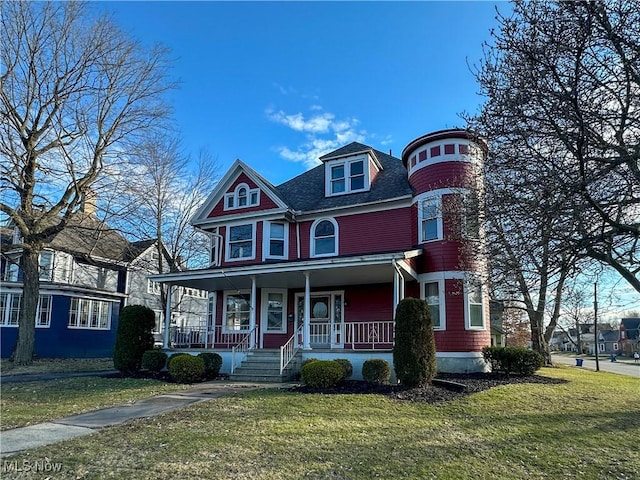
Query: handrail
[289, 349]
[247, 343]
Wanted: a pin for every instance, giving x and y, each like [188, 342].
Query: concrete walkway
[26, 438]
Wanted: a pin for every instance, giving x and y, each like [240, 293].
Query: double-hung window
[240, 242]
[46, 265]
[277, 240]
[475, 307]
[356, 175]
[471, 215]
[430, 219]
[432, 291]
[337, 179]
[347, 177]
[237, 312]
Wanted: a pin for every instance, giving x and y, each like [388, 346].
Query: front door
[326, 327]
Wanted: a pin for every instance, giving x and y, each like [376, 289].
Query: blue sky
[277, 84]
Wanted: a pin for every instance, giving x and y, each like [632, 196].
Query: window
[211, 311]
[432, 294]
[430, 219]
[240, 242]
[242, 197]
[153, 287]
[276, 238]
[274, 311]
[324, 238]
[347, 176]
[615, 347]
[471, 215]
[237, 312]
[90, 314]
[474, 307]
[64, 268]
[12, 272]
[10, 310]
[214, 238]
[601, 346]
[337, 179]
[46, 265]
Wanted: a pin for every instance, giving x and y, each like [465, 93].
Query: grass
[56, 365]
[587, 428]
[28, 403]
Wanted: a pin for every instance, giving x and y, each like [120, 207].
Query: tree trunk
[23, 352]
[538, 342]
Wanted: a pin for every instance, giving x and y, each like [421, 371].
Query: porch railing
[374, 335]
[203, 337]
[289, 349]
[241, 350]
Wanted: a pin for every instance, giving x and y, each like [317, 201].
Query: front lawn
[56, 365]
[27, 403]
[587, 428]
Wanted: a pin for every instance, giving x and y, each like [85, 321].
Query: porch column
[167, 318]
[252, 312]
[306, 333]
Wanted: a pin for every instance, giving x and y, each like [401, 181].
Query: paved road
[623, 368]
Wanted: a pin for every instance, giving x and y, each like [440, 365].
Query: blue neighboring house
[88, 272]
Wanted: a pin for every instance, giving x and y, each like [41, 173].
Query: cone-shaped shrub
[414, 352]
[133, 337]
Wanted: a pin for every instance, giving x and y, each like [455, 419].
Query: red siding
[265, 202]
[442, 175]
[441, 256]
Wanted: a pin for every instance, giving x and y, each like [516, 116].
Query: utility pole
[595, 324]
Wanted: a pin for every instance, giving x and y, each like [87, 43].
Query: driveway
[625, 367]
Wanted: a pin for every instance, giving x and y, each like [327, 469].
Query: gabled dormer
[350, 169]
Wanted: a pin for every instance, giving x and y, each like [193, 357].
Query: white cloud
[323, 134]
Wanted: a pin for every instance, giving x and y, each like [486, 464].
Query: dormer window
[347, 175]
[242, 197]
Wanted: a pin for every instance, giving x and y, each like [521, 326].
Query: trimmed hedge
[133, 337]
[174, 356]
[154, 360]
[186, 368]
[322, 373]
[376, 370]
[347, 367]
[516, 360]
[212, 364]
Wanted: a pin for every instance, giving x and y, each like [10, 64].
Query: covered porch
[331, 304]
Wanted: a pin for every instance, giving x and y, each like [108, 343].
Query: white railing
[320, 334]
[241, 350]
[203, 337]
[370, 334]
[289, 349]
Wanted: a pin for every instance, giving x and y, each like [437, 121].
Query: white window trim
[153, 287]
[439, 224]
[474, 155]
[234, 196]
[264, 314]
[441, 298]
[4, 315]
[467, 312]
[226, 294]
[312, 237]
[227, 238]
[49, 273]
[347, 169]
[215, 247]
[91, 307]
[212, 305]
[266, 240]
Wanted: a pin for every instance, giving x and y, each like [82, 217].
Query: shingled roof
[306, 191]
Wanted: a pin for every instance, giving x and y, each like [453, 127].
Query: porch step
[262, 366]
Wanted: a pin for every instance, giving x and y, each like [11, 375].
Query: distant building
[88, 272]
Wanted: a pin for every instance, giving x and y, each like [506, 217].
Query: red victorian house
[316, 266]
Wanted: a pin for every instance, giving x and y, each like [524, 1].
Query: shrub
[174, 356]
[322, 373]
[376, 370]
[133, 337]
[414, 351]
[186, 368]
[347, 367]
[154, 360]
[212, 364]
[308, 360]
[517, 360]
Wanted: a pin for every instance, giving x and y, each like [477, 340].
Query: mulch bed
[446, 387]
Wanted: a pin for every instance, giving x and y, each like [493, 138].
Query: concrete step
[256, 371]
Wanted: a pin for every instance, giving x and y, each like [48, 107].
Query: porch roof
[351, 270]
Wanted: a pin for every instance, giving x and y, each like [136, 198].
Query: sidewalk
[26, 438]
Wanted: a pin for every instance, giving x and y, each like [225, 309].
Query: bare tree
[159, 199]
[76, 95]
[562, 81]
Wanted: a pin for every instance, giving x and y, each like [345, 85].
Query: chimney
[88, 205]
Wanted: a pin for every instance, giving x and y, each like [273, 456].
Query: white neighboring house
[88, 272]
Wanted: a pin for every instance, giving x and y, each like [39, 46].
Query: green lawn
[28, 403]
[587, 428]
[56, 365]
